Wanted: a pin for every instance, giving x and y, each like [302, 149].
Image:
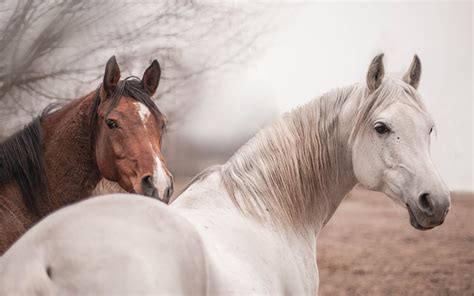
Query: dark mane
[21, 159]
[131, 87]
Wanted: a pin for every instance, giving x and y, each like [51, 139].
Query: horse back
[117, 244]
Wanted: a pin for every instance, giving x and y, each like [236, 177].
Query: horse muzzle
[428, 211]
[149, 189]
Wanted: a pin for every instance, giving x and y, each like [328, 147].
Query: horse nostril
[147, 186]
[168, 192]
[446, 211]
[425, 203]
[146, 181]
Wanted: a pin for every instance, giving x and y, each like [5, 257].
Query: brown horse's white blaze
[160, 178]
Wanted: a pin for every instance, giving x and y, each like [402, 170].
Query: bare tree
[52, 51]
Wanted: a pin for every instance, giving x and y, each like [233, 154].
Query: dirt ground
[370, 248]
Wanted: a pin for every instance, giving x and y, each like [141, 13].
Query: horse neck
[297, 171]
[69, 157]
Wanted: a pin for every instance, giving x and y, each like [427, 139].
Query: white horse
[250, 225]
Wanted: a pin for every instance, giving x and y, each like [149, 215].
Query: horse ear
[375, 73]
[412, 77]
[151, 77]
[111, 75]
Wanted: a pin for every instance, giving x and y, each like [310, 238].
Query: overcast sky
[319, 46]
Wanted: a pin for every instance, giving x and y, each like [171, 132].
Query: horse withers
[112, 133]
[250, 226]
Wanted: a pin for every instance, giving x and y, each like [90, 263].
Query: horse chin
[414, 222]
[151, 192]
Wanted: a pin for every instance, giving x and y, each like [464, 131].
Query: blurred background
[230, 68]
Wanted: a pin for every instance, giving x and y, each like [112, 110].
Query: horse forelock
[390, 91]
[132, 87]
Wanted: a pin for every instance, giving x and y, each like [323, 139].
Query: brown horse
[113, 133]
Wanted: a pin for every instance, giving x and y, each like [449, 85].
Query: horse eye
[381, 128]
[431, 130]
[111, 123]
